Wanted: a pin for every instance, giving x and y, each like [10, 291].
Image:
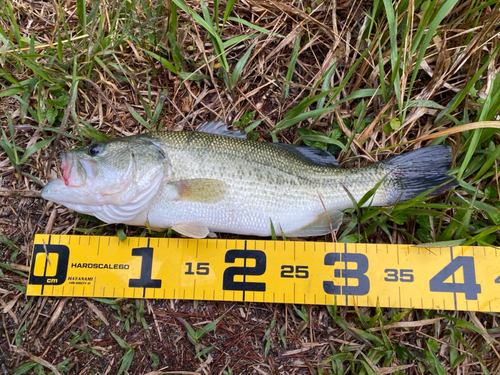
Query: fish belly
[239, 213]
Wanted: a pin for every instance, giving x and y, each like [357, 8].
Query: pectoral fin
[193, 230]
[320, 226]
[200, 190]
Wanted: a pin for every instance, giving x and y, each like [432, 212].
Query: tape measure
[403, 276]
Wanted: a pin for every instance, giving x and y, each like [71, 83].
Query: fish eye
[94, 149]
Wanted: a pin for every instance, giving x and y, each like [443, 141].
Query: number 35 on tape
[452, 278]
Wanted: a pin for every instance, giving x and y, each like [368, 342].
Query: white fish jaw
[77, 199]
[129, 206]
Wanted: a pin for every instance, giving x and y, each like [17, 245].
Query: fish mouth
[76, 199]
[76, 171]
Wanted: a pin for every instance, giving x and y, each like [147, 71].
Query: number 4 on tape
[469, 286]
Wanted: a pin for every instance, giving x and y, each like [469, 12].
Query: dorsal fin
[219, 128]
[310, 155]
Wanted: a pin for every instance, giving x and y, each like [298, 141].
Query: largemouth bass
[207, 181]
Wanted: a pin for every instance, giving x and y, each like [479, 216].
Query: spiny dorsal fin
[310, 155]
[219, 128]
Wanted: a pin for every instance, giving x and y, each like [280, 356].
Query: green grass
[195, 336]
[401, 75]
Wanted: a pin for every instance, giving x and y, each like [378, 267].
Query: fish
[215, 180]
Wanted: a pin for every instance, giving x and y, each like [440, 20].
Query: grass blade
[126, 361]
[167, 64]
[34, 148]
[240, 65]
[291, 67]
[255, 27]
[81, 11]
[227, 11]
[138, 117]
[120, 341]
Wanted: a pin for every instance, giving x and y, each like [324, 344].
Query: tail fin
[415, 172]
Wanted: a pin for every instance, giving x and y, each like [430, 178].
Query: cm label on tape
[267, 271]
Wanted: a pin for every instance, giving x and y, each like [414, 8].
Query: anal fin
[320, 226]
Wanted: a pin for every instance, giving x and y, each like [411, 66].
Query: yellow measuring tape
[451, 278]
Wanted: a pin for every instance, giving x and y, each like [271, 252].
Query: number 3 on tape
[361, 261]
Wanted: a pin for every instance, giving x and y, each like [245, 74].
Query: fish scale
[202, 183]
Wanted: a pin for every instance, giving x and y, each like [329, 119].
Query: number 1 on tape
[267, 271]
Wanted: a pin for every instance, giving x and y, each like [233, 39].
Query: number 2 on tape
[228, 282]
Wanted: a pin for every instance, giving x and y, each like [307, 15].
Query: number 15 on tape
[453, 278]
